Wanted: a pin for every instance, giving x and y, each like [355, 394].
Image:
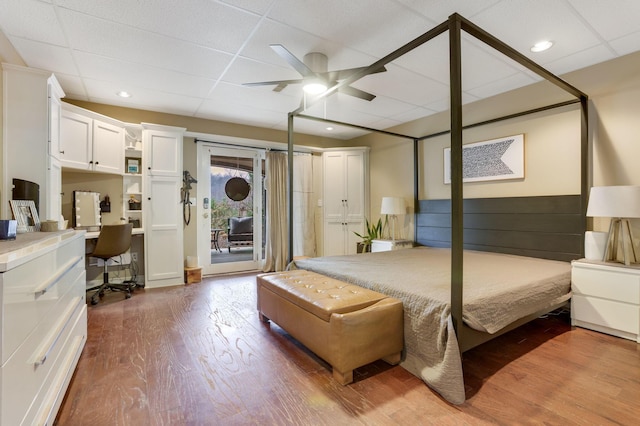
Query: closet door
[164, 260]
[345, 199]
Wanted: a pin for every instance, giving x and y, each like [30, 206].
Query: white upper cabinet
[90, 143]
[31, 102]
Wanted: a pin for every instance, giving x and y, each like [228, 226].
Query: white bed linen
[497, 290]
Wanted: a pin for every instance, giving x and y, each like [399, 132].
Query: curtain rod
[196, 140]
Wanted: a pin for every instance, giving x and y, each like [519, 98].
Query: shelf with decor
[132, 181]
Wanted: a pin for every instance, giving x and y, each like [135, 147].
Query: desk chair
[113, 240]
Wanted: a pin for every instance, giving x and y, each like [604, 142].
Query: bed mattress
[498, 289]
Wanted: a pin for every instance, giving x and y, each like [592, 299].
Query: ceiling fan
[315, 74]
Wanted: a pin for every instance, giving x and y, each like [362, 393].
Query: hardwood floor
[198, 355]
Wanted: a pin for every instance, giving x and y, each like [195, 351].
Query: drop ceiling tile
[581, 59]
[204, 22]
[522, 23]
[373, 30]
[257, 6]
[31, 19]
[612, 20]
[502, 85]
[237, 113]
[73, 86]
[128, 74]
[299, 43]
[405, 86]
[45, 56]
[414, 114]
[143, 98]
[439, 11]
[258, 97]
[118, 41]
[627, 44]
[244, 70]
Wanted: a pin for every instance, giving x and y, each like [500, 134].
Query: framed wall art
[495, 159]
[25, 213]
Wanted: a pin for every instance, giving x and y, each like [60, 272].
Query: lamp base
[620, 233]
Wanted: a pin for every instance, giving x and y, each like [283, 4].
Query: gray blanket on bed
[498, 289]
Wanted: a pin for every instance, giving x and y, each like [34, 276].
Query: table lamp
[393, 206]
[620, 203]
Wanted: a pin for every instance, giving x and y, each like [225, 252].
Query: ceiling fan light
[315, 88]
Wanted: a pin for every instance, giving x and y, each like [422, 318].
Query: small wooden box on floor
[346, 325]
[192, 275]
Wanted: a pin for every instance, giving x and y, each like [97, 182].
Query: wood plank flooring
[198, 355]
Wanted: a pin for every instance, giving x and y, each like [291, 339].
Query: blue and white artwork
[494, 159]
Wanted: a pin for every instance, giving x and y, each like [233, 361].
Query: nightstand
[606, 297]
[388, 245]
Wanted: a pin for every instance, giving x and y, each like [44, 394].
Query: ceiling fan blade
[347, 72]
[352, 91]
[296, 63]
[278, 83]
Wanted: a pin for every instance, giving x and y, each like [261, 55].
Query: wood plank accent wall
[548, 227]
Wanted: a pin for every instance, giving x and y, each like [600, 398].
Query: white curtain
[276, 250]
[304, 237]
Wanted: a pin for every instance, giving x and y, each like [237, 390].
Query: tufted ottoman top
[319, 294]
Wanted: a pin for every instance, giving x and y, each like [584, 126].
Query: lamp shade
[614, 201]
[392, 205]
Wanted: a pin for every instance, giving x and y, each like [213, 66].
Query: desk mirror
[86, 208]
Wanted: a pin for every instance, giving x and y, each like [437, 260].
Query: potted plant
[372, 232]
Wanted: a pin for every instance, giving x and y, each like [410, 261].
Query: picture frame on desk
[133, 165]
[26, 214]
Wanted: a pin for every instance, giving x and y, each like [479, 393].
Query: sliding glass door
[231, 199]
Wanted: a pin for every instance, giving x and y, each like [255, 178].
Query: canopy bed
[459, 233]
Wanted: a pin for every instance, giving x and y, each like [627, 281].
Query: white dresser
[388, 245]
[44, 323]
[606, 298]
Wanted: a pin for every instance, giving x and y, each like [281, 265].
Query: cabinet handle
[55, 334]
[97, 162]
[45, 286]
[91, 162]
[61, 152]
[149, 198]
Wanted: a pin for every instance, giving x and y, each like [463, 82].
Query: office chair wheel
[127, 295]
[94, 300]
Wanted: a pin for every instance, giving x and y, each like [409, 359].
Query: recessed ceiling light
[329, 128]
[123, 94]
[541, 46]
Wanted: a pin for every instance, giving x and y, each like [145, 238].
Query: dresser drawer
[46, 404]
[25, 308]
[25, 373]
[606, 313]
[616, 285]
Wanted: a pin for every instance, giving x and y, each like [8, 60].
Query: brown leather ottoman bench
[346, 325]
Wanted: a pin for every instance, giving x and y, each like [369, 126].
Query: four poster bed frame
[550, 227]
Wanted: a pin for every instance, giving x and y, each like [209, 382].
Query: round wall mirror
[237, 188]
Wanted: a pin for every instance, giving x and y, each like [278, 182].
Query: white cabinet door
[108, 148]
[54, 198]
[162, 210]
[334, 194]
[164, 154]
[76, 137]
[344, 199]
[354, 185]
[54, 123]
[163, 233]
